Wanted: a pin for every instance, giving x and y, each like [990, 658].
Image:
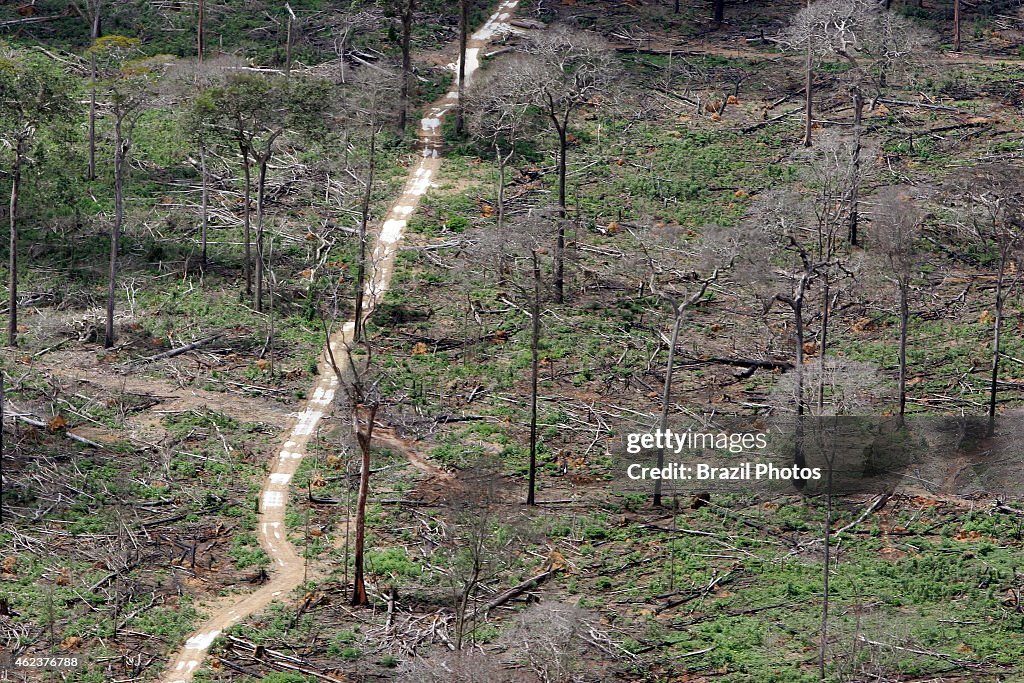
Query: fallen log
[1000, 506]
[751, 365]
[31, 20]
[183, 349]
[519, 589]
[29, 420]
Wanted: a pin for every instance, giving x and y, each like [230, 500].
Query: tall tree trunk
[261, 184]
[12, 300]
[904, 319]
[822, 342]
[666, 396]
[120, 150]
[206, 197]
[364, 435]
[200, 28]
[799, 459]
[825, 596]
[408, 8]
[719, 6]
[463, 43]
[956, 25]
[996, 334]
[534, 375]
[502, 161]
[364, 220]
[563, 146]
[854, 213]
[247, 214]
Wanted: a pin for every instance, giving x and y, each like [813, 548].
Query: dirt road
[288, 566]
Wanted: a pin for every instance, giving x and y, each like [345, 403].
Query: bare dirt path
[288, 566]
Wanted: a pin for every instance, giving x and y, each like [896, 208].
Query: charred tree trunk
[719, 9]
[666, 396]
[531, 498]
[563, 149]
[996, 341]
[854, 213]
[904, 320]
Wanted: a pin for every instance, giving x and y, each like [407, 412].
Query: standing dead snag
[568, 69]
[496, 106]
[258, 110]
[478, 542]
[995, 208]
[717, 253]
[850, 388]
[872, 40]
[367, 106]
[93, 14]
[364, 401]
[521, 247]
[460, 118]
[896, 223]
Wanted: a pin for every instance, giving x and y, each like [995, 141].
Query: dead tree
[497, 113]
[677, 283]
[995, 218]
[872, 40]
[896, 223]
[569, 70]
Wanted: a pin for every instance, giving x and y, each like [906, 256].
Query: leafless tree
[569, 69]
[994, 196]
[871, 39]
[896, 222]
[522, 247]
[552, 638]
[496, 106]
[367, 104]
[479, 540]
[361, 387]
[680, 277]
[849, 388]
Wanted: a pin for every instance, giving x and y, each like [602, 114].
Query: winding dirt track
[288, 566]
